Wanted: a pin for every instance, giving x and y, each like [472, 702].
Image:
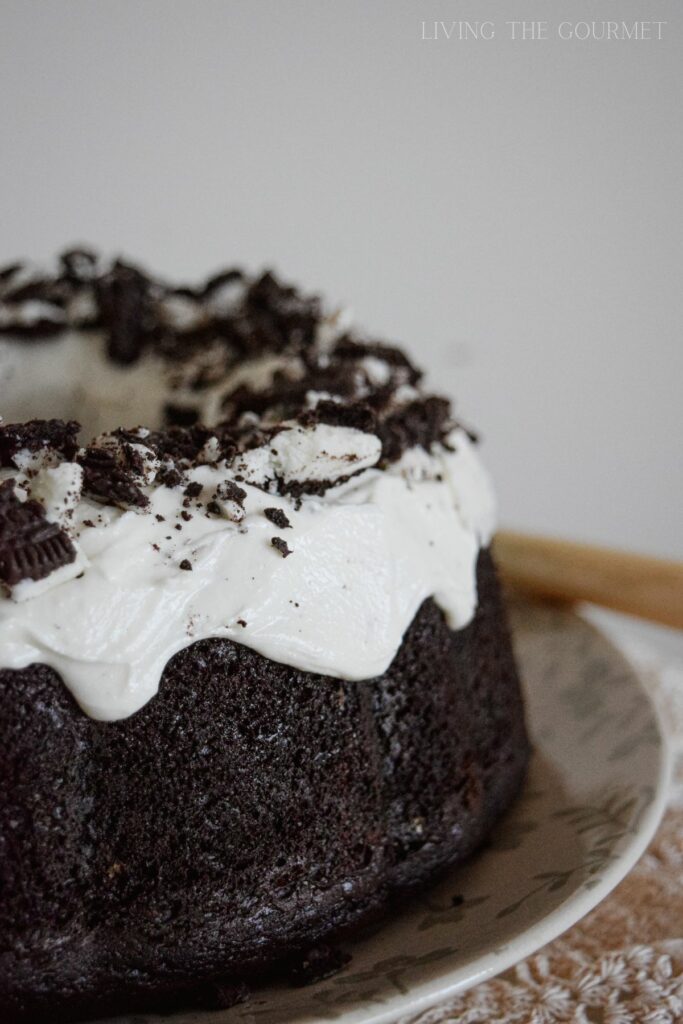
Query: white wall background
[512, 211]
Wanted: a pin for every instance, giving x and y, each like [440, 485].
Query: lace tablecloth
[623, 963]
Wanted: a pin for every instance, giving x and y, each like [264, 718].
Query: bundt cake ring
[255, 675]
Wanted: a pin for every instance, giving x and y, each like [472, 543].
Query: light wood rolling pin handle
[651, 588]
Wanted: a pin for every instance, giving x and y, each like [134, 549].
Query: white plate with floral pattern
[595, 793]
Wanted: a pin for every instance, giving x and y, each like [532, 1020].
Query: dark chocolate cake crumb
[185, 515]
[193, 489]
[186, 564]
[281, 545]
[30, 546]
[277, 517]
[319, 963]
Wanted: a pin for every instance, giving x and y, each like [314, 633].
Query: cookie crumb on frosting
[277, 517]
[281, 546]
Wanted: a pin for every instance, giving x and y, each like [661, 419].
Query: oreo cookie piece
[123, 298]
[278, 316]
[348, 347]
[107, 480]
[277, 517]
[281, 545]
[180, 415]
[78, 265]
[30, 547]
[357, 415]
[221, 280]
[419, 423]
[36, 289]
[230, 491]
[38, 435]
[8, 272]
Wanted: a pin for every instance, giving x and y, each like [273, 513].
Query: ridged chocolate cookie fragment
[31, 547]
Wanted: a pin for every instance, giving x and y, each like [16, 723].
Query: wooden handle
[651, 588]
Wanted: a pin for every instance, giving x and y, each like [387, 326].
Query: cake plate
[595, 793]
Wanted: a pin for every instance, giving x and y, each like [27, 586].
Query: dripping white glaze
[364, 556]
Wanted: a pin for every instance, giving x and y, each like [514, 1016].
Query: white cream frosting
[311, 454]
[364, 557]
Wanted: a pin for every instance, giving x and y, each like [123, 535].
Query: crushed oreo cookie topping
[230, 491]
[113, 475]
[125, 308]
[30, 547]
[242, 353]
[193, 490]
[281, 545]
[258, 412]
[38, 436]
[277, 517]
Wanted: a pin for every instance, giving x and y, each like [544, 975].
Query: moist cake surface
[255, 674]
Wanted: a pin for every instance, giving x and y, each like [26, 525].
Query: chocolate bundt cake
[255, 676]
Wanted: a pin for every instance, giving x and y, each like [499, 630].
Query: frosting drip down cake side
[256, 584]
